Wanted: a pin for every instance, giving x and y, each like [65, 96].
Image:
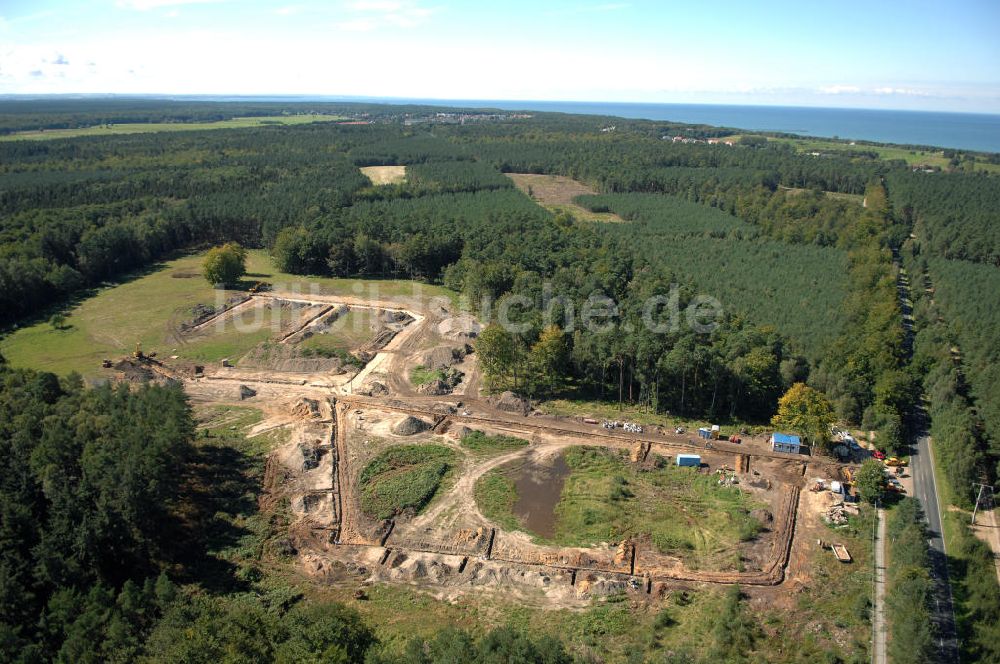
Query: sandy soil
[385, 174]
[557, 192]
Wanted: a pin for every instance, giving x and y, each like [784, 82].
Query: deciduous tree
[807, 412]
[225, 265]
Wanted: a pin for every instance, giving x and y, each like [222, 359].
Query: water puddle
[539, 486]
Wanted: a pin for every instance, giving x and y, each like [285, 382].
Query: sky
[901, 54]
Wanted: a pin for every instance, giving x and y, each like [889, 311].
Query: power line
[979, 496]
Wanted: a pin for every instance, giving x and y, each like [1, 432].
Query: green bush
[403, 478]
[481, 443]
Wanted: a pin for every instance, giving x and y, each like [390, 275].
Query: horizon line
[303, 97]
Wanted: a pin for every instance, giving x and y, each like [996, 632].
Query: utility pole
[979, 496]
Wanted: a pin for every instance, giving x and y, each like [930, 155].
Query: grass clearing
[147, 307]
[913, 157]
[606, 499]
[495, 495]
[613, 631]
[852, 198]
[482, 444]
[344, 335]
[381, 175]
[557, 193]
[229, 426]
[421, 375]
[151, 127]
[403, 479]
[831, 612]
[609, 410]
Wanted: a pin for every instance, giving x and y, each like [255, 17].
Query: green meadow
[148, 309]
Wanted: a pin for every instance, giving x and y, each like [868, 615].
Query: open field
[385, 174]
[606, 498]
[853, 198]
[556, 193]
[148, 309]
[911, 157]
[152, 127]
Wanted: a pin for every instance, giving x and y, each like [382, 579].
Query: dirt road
[878, 615]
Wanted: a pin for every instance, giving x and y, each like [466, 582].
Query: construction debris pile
[727, 476]
[838, 513]
[630, 427]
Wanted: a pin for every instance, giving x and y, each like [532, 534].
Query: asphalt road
[925, 490]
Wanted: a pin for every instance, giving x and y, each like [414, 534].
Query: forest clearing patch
[381, 175]
[557, 193]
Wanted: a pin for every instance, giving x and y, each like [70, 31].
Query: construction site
[387, 422]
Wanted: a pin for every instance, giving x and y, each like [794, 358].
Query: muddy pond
[539, 485]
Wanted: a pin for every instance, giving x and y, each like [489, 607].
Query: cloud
[146, 5]
[840, 90]
[883, 91]
[907, 92]
[374, 14]
[357, 25]
[590, 9]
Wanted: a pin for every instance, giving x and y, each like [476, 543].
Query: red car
[878, 455]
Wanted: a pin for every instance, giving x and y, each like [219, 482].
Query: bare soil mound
[460, 327]
[410, 426]
[374, 389]
[444, 385]
[398, 318]
[133, 372]
[306, 408]
[202, 312]
[283, 357]
[443, 357]
[510, 403]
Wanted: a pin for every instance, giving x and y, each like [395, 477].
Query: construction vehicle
[894, 461]
[137, 353]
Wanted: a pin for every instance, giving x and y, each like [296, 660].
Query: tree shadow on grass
[220, 489]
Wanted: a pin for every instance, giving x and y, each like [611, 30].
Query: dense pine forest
[801, 253]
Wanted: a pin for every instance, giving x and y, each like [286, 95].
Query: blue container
[691, 460]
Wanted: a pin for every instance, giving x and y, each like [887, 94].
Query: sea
[963, 131]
